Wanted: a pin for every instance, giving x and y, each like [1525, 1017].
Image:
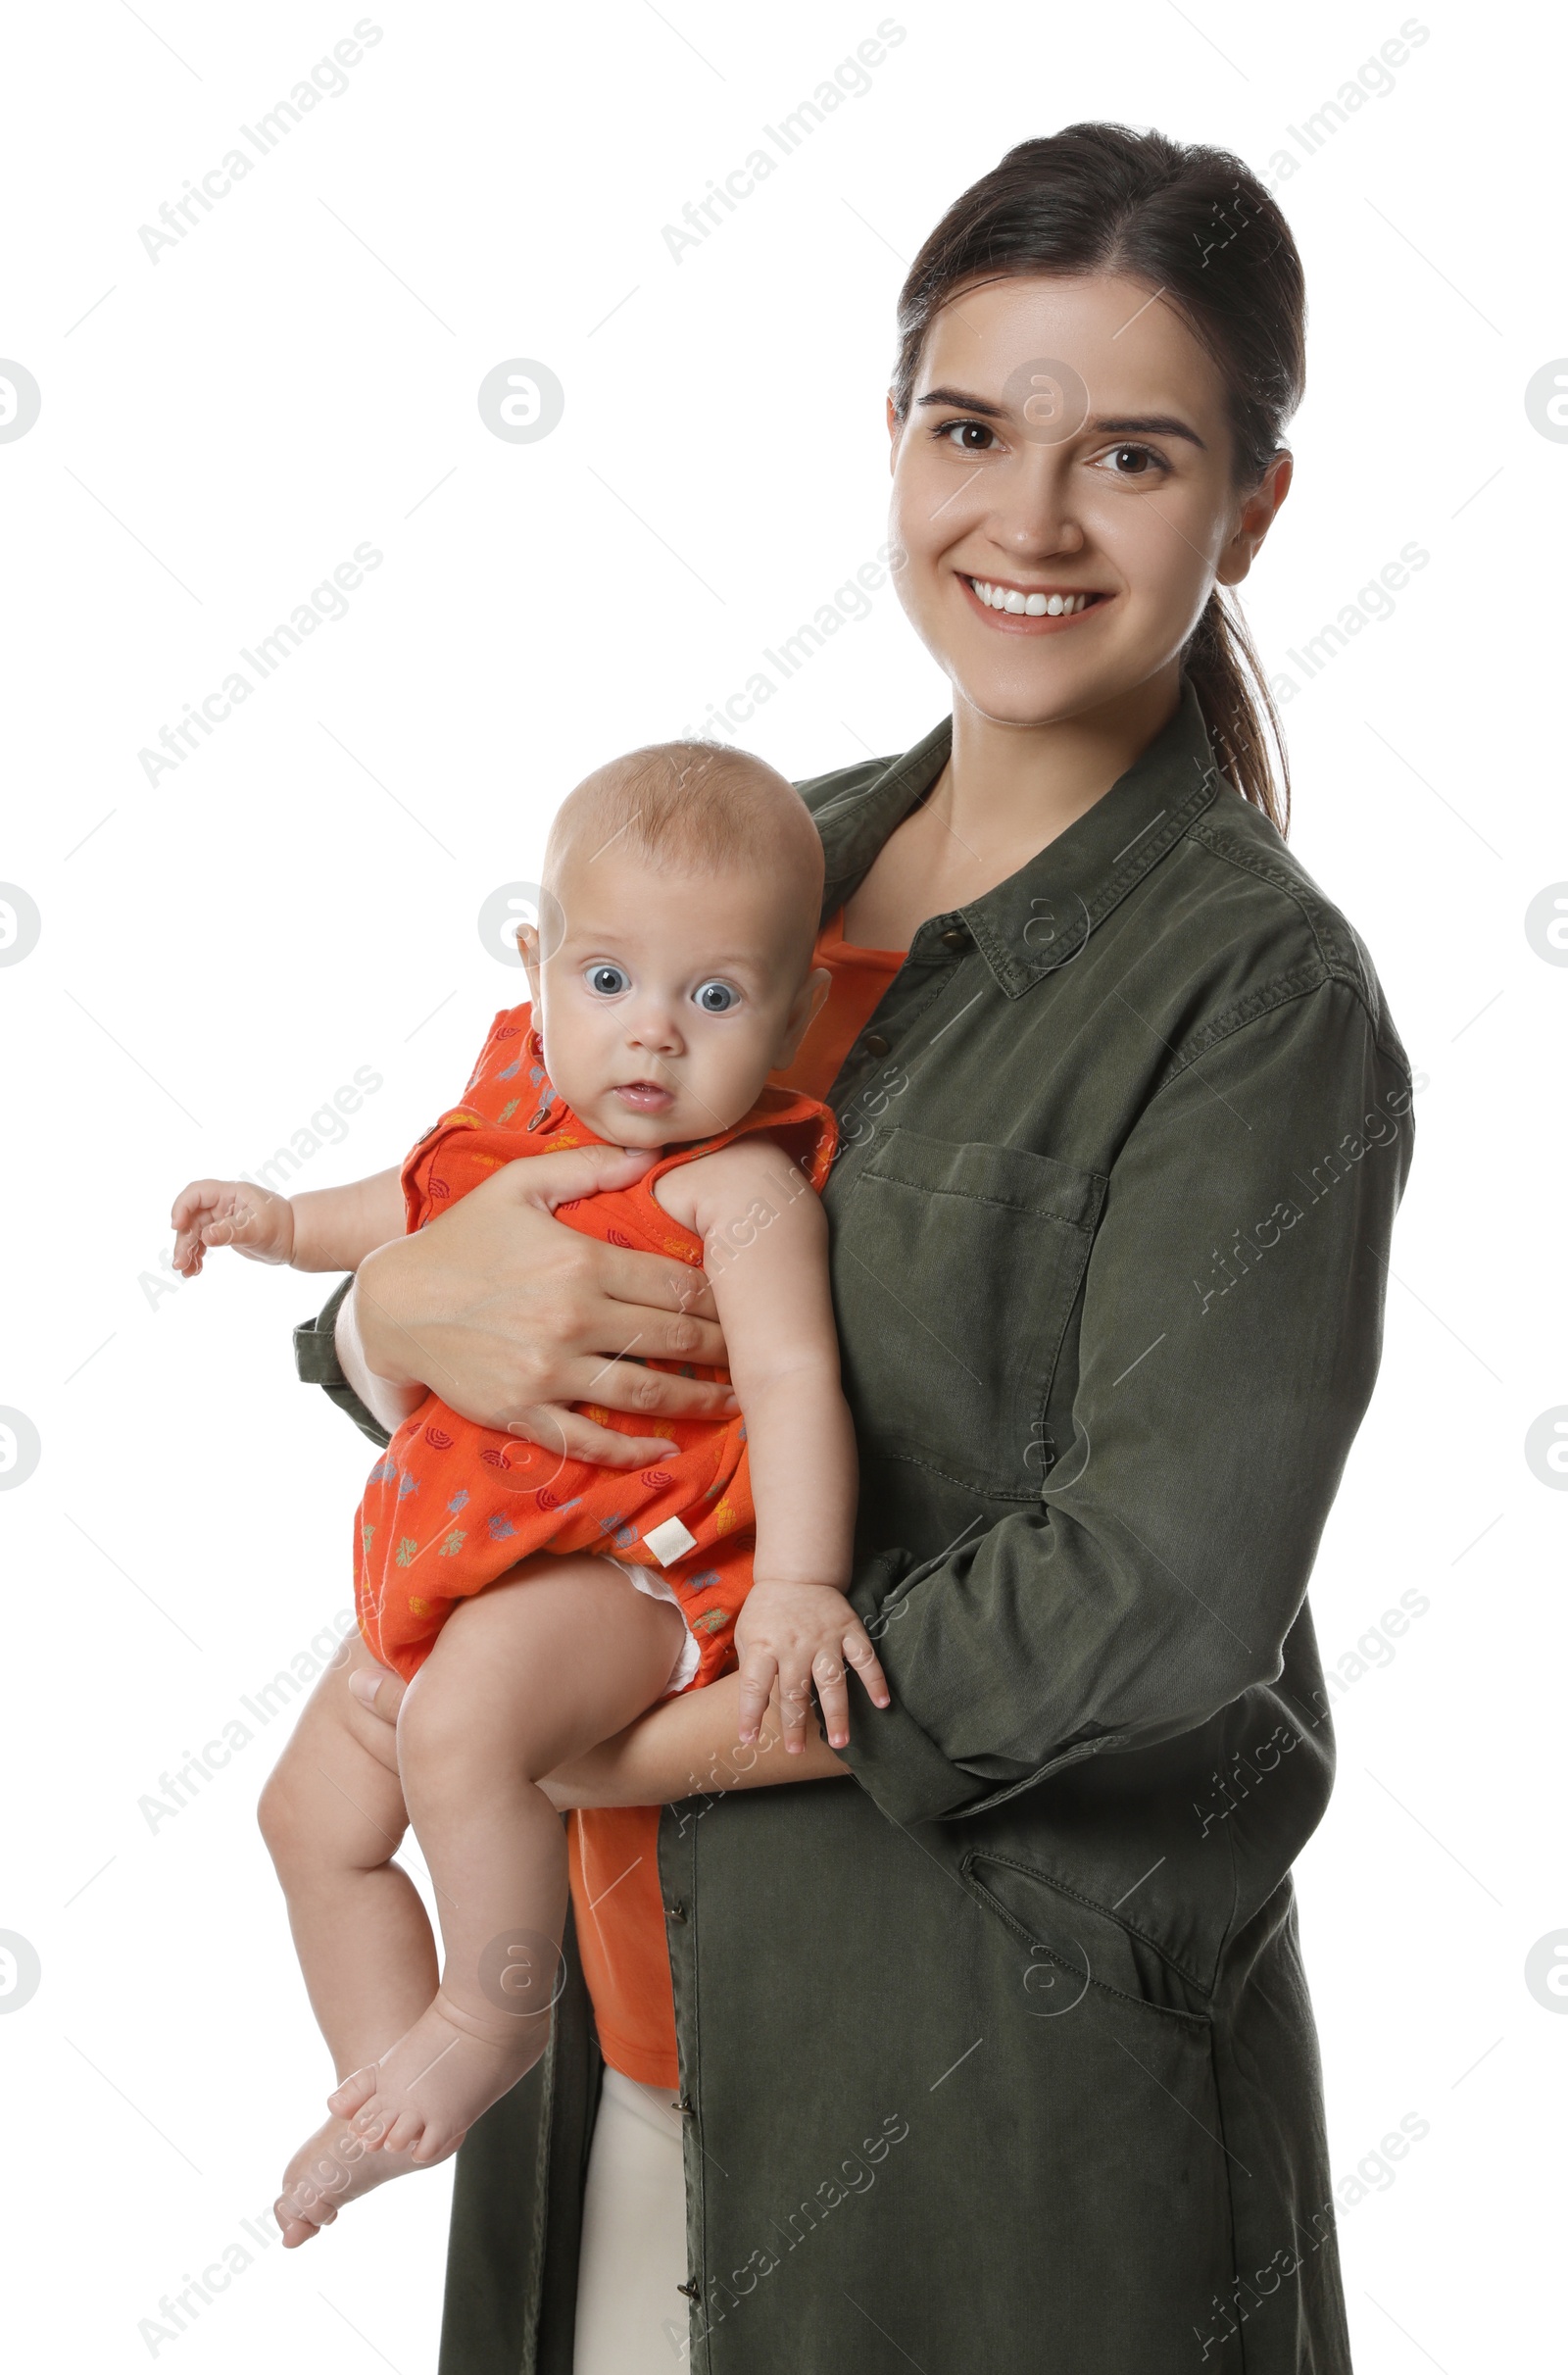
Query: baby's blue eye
[607, 979]
[716, 997]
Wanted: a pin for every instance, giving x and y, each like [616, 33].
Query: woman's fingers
[657, 1284]
[559, 1435]
[652, 1394]
[378, 1690]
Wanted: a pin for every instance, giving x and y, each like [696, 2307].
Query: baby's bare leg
[333, 1815]
[531, 1672]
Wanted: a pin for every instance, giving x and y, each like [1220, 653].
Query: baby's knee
[285, 1816]
[451, 1741]
[435, 1732]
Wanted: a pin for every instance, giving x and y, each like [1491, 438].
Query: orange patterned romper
[451, 1506]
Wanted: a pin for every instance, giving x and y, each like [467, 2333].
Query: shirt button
[690, 2289]
[676, 1911]
[875, 1044]
[957, 938]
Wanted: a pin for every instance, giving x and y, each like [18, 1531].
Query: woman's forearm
[686, 1745]
[389, 1402]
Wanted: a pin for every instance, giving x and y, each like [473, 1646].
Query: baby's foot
[419, 2099]
[333, 2168]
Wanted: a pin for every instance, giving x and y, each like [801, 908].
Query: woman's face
[1067, 437]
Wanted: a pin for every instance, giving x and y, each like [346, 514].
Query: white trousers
[631, 2319]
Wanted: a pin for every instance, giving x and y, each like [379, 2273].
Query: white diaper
[660, 1587]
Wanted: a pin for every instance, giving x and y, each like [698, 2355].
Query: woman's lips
[1015, 622]
[645, 1096]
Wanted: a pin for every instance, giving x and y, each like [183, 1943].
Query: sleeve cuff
[899, 1766]
[316, 1362]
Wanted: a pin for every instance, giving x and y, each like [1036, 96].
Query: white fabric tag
[670, 1542]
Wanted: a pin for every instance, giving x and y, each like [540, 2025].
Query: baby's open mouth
[648, 1095]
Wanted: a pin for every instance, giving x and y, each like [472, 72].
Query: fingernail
[364, 1686]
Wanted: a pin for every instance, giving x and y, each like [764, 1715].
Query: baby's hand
[801, 1633]
[230, 1211]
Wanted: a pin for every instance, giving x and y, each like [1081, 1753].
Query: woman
[1003, 2056]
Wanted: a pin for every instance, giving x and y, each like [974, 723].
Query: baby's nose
[654, 1026]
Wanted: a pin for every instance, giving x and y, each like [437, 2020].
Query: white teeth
[1032, 606]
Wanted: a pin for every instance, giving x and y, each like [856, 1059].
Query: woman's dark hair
[1196, 224]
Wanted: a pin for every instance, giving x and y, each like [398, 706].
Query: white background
[222, 948]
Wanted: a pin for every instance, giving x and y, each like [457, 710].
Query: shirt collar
[1041, 916]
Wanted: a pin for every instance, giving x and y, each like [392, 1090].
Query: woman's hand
[681, 1747]
[509, 1316]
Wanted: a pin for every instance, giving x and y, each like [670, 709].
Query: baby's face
[667, 997]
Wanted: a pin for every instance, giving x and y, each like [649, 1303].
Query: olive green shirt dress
[1002, 2055]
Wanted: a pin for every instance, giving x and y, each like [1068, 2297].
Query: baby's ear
[527, 938]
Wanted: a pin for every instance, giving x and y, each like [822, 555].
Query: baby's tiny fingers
[867, 1663]
[757, 1688]
[793, 1702]
[832, 1696]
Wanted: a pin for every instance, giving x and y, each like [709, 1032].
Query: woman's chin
[1028, 697]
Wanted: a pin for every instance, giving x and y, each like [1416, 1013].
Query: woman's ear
[1256, 519]
[807, 1004]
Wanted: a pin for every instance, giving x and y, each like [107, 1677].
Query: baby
[537, 1603]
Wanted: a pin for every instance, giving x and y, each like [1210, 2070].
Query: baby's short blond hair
[698, 808]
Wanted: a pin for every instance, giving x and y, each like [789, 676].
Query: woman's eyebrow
[1147, 424]
[1143, 424]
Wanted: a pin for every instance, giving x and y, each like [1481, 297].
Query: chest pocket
[955, 1273]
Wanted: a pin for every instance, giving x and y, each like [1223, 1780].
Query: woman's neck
[1010, 789]
[1006, 793]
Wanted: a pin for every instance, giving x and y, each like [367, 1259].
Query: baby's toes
[439, 2140]
[355, 2093]
[406, 2130]
[296, 2227]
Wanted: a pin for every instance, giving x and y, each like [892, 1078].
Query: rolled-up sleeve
[317, 1364]
[1231, 1327]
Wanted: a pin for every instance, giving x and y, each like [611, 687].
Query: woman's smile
[1027, 609]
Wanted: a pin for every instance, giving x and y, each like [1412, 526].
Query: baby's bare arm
[764, 1239]
[336, 1228]
[324, 1229]
[764, 1249]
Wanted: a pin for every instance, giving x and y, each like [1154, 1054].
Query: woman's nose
[1035, 518]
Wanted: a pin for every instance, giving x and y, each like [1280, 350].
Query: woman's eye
[606, 980]
[1142, 457]
[968, 436]
[716, 997]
